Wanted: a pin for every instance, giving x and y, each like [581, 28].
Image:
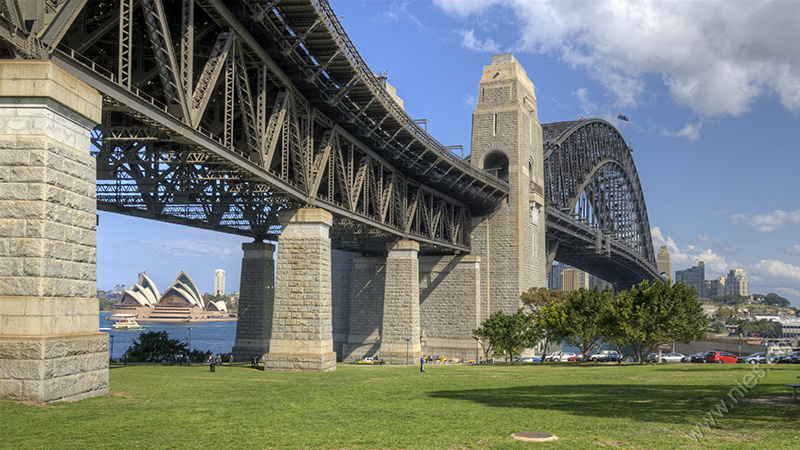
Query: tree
[547, 308]
[509, 334]
[585, 318]
[155, 346]
[774, 299]
[724, 313]
[718, 325]
[762, 328]
[652, 313]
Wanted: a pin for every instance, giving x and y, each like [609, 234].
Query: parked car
[671, 357]
[793, 357]
[530, 359]
[559, 356]
[720, 357]
[366, 361]
[698, 357]
[753, 358]
[665, 357]
[606, 356]
[576, 358]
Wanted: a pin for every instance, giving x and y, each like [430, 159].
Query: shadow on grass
[676, 404]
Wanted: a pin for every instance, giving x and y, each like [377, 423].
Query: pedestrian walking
[213, 364]
[422, 364]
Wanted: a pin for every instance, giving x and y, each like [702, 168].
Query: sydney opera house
[180, 302]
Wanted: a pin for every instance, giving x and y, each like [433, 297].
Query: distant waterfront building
[694, 276]
[663, 262]
[181, 301]
[219, 282]
[736, 283]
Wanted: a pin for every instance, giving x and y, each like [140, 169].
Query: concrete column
[400, 331]
[302, 336]
[50, 346]
[256, 299]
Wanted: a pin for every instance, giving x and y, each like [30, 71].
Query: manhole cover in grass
[533, 436]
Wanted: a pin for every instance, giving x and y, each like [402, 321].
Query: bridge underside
[593, 251]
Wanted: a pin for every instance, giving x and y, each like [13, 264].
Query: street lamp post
[408, 340]
[111, 349]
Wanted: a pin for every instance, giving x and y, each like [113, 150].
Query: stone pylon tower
[507, 141]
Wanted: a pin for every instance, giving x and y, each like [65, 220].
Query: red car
[720, 357]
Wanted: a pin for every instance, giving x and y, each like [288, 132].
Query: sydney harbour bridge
[223, 114]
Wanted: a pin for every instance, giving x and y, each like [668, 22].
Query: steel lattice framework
[219, 114]
[596, 214]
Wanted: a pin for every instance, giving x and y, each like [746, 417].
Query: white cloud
[793, 250]
[716, 58]
[691, 131]
[397, 12]
[772, 221]
[188, 248]
[468, 100]
[773, 272]
[470, 42]
[464, 7]
[587, 106]
[690, 255]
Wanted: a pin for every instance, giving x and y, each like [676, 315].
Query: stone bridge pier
[399, 305]
[50, 346]
[301, 331]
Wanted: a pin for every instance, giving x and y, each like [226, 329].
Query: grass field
[355, 407]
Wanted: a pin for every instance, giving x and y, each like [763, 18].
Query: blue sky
[712, 90]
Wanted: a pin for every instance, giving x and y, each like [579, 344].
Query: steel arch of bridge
[596, 214]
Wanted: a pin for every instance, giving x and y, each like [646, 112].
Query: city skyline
[713, 129]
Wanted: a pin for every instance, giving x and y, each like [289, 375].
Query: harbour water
[215, 336]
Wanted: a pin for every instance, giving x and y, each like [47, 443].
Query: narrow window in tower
[494, 125]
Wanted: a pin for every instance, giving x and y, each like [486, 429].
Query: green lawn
[368, 407]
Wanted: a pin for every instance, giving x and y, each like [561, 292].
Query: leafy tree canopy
[774, 299]
[546, 306]
[584, 319]
[652, 312]
[509, 334]
[155, 346]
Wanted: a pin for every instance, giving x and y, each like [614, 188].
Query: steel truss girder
[590, 175]
[185, 128]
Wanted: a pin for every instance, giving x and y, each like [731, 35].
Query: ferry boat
[125, 322]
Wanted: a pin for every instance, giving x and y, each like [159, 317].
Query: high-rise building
[219, 282]
[715, 287]
[554, 279]
[693, 276]
[570, 279]
[737, 283]
[567, 278]
[663, 262]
